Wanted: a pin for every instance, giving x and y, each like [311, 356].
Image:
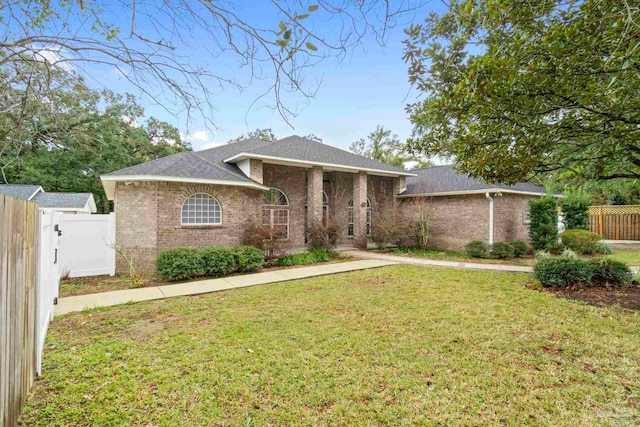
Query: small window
[526, 214]
[350, 221]
[275, 212]
[201, 209]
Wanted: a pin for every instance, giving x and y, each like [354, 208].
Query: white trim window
[201, 209]
[526, 214]
[275, 212]
[350, 221]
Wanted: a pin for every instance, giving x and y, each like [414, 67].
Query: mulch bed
[624, 296]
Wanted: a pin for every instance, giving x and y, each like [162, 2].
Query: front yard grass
[631, 257]
[401, 345]
[458, 256]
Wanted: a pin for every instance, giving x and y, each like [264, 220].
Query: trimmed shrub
[217, 261]
[543, 229]
[318, 255]
[247, 258]
[602, 249]
[558, 271]
[569, 254]
[477, 249]
[581, 241]
[575, 208]
[321, 237]
[180, 264]
[502, 250]
[611, 272]
[520, 248]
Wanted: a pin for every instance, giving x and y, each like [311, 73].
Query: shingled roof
[445, 180]
[20, 191]
[217, 165]
[66, 201]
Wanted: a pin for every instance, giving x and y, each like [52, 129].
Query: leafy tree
[66, 138]
[386, 147]
[383, 146]
[617, 198]
[263, 134]
[515, 89]
[543, 229]
[313, 137]
[575, 208]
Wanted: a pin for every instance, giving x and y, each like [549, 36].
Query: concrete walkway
[438, 263]
[106, 299]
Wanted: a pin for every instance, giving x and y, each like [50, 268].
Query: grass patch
[402, 345]
[459, 256]
[628, 257]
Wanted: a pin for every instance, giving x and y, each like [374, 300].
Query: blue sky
[368, 87]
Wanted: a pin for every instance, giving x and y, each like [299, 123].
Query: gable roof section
[297, 150]
[217, 165]
[444, 180]
[20, 191]
[66, 201]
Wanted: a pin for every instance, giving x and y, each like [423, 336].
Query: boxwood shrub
[247, 258]
[502, 250]
[477, 249]
[581, 241]
[180, 264]
[187, 263]
[217, 261]
[520, 248]
[567, 271]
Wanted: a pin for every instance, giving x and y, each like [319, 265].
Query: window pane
[201, 208]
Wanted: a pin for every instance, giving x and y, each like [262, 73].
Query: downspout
[490, 217]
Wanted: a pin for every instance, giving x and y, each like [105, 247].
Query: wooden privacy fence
[19, 239]
[615, 222]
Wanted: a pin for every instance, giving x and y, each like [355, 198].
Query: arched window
[201, 209]
[275, 212]
[350, 223]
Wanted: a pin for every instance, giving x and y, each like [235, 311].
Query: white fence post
[48, 278]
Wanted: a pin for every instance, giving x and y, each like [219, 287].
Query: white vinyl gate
[87, 245]
[48, 277]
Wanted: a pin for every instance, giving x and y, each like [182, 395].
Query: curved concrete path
[439, 263]
[106, 299]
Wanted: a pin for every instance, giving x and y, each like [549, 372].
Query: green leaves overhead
[294, 41]
[512, 91]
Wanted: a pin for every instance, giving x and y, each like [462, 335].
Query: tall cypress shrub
[543, 229]
[575, 208]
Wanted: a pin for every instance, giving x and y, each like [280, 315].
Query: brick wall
[456, 220]
[292, 182]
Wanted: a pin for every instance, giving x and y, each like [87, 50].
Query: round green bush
[217, 261]
[611, 272]
[520, 248]
[581, 241]
[179, 264]
[247, 258]
[502, 250]
[477, 249]
[558, 271]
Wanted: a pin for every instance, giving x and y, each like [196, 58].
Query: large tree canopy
[66, 138]
[516, 88]
[385, 147]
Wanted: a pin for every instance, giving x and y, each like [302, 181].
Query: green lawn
[401, 345]
[459, 256]
[629, 257]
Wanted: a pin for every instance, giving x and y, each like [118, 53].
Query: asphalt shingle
[20, 191]
[444, 179]
[62, 200]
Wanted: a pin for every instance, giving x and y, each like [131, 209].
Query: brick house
[211, 197]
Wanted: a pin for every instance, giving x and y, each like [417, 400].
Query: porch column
[314, 196]
[399, 185]
[360, 210]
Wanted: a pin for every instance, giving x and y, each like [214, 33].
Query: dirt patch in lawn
[95, 284]
[627, 296]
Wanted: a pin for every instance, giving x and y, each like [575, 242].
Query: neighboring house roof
[82, 202]
[217, 165]
[445, 180]
[20, 191]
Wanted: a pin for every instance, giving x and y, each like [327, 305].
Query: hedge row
[558, 271]
[187, 263]
[317, 255]
[513, 249]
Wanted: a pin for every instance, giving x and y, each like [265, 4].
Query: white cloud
[201, 140]
[200, 136]
[54, 56]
